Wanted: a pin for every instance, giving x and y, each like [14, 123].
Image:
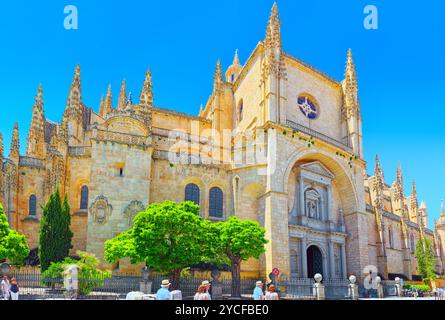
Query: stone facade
[309, 189]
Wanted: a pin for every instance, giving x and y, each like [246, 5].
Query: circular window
[307, 107]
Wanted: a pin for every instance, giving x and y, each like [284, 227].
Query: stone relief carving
[101, 210]
[132, 210]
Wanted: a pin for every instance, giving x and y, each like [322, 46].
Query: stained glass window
[307, 107]
[33, 205]
[216, 203]
[84, 198]
[192, 193]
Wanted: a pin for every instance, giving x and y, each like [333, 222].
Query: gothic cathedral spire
[273, 31]
[273, 73]
[108, 104]
[75, 95]
[218, 78]
[146, 98]
[36, 135]
[1, 147]
[351, 106]
[122, 102]
[414, 203]
[442, 210]
[14, 153]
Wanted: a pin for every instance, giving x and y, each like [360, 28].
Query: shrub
[90, 276]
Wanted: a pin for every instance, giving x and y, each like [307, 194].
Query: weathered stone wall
[326, 94]
[118, 191]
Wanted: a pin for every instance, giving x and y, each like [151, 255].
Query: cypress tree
[55, 234]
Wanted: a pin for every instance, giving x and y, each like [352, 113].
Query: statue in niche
[312, 201]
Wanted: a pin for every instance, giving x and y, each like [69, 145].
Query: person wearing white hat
[163, 293]
[207, 285]
[258, 293]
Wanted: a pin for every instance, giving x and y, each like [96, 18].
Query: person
[440, 293]
[14, 291]
[206, 285]
[201, 294]
[258, 292]
[6, 287]
[271, 294]
[164, 292]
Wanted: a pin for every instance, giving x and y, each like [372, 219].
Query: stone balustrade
[31, 162]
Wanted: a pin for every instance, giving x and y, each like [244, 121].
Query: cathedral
[321, 211]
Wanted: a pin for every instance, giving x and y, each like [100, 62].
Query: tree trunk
[176, 275]
[236, 278]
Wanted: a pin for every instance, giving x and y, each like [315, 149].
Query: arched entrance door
[314, 261]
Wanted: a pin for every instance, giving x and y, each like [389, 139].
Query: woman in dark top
[14, 289]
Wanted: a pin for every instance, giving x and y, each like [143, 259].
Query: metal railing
[33, 286]
[336, 289]
[300, 288]
[345, 146]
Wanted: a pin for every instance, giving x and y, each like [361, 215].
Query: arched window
[192, 193]
[84, 198]
[390, 238]
[216, 203]
[413, 246]
[32, 205]
[240, 111]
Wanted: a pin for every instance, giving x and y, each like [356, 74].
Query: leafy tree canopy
[13, 246]
[166, 236]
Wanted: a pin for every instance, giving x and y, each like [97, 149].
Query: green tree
[237, 240]
[426, 260]
[168, 237]
[13, 246]
[55, 235]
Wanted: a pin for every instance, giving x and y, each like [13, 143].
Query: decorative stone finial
[318, 277]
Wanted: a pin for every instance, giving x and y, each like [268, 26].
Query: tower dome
[234, 70]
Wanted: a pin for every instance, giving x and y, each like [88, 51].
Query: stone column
[343, 261]
[318, 290]
[329, 204]
[353, 288]
[357, 243]
[331, 259]
[303, 258]
[276, 223]
[301, 198]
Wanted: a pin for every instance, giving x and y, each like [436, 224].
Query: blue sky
[400, 66]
